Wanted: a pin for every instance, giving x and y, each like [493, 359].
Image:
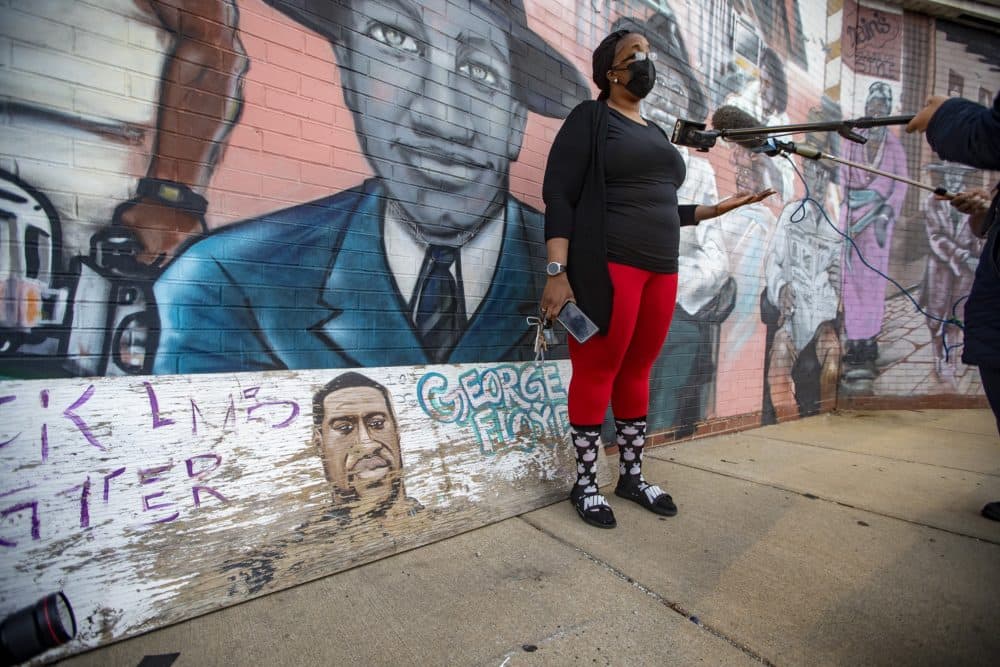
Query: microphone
[773, 147]
[692, 134]
[737, 126]
[725, 120]
[728, 118]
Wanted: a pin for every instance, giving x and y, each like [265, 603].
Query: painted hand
[160, 229]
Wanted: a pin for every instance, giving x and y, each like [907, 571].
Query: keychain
[544, 336]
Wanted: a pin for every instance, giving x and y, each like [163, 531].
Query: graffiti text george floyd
[508, 406]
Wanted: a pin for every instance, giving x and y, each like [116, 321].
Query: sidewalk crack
[812, 496]
[676, 607]
[862, 453]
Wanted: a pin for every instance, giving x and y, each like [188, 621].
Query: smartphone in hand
[577, 324]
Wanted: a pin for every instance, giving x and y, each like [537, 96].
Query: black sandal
[594, 509]
[650, 496]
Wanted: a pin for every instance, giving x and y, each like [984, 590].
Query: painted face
[750, 170]
[430, 88]
[360, 446]
[767, 93]
[669, 100]
[817, 178]
[877, 107]
[953, 181]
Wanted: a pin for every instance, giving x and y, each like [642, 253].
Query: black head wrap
[603, 59]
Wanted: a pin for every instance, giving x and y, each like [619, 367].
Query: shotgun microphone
[727, 118]
[773, 147]
[740, 127]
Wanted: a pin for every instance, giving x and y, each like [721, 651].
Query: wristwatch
[173, 194]
[555, 268]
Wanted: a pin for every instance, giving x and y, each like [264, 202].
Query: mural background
[243, 105]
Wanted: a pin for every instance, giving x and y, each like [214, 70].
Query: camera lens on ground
[26, 633]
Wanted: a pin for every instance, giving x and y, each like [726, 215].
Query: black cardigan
[575, 203]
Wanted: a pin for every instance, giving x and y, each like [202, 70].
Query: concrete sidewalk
[844, 539]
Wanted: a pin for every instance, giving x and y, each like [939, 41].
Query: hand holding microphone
[923, 117]
[975, 204]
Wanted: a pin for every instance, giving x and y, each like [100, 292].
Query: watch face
[554, 268]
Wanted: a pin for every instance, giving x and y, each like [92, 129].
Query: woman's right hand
[555, 295]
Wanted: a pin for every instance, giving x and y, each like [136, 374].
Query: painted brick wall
[242, 105]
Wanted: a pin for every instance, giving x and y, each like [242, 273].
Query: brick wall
[239, 109]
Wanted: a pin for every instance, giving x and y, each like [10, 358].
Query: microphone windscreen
[733, 118]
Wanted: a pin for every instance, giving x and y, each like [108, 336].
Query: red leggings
[617, 365]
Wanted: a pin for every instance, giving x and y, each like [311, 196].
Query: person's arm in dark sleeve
[565, 172]
[687, 214]
[963, 131]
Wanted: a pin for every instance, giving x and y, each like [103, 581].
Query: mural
[133, 245]
[951, 267]
[870, 210]
[908, 349]
[356, 433]
[76, 131]
[799, 305]
[439, 128]
[749, 236]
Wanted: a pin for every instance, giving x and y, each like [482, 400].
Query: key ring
[541, 345]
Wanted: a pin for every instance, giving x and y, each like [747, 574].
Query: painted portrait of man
[799, 305]
[748, 233]
[357, 438]
[430, 261]
[950, 269]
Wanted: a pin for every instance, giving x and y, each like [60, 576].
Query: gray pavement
[843, 539]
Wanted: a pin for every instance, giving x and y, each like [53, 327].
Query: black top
[642, 171]
[576, 206]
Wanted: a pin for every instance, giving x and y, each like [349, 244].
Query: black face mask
[642, 79]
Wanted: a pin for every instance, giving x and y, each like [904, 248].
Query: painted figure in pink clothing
[951, 265]
[869, 212]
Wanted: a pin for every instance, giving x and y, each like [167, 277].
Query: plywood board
[153, 499]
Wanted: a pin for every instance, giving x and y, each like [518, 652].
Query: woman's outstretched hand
[742, 199]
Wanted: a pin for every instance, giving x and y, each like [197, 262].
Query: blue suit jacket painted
[309, 287]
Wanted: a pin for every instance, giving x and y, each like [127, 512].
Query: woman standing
[612, 228]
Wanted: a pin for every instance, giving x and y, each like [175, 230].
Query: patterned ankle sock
[630, 438]
[585, 442]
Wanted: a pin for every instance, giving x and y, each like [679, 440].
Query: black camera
[26, 633]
